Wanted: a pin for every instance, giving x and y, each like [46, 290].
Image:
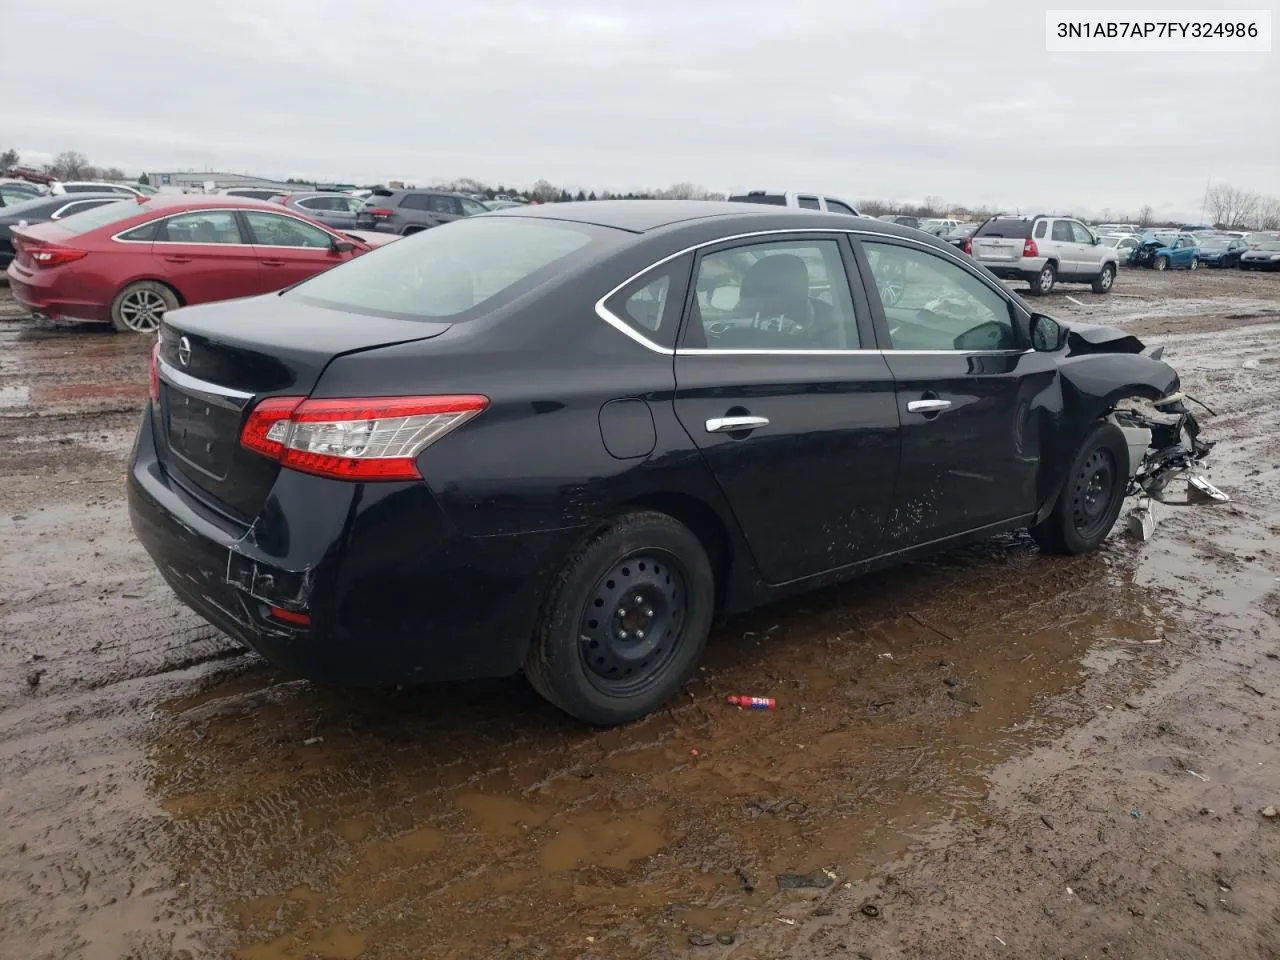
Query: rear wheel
[140, 307]
[1162, 263]
[1091, 495]
[1043, 282]
[1102, 283]
[626, 621]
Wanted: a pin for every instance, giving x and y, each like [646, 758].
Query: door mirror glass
[1047, 334]
[343, 246]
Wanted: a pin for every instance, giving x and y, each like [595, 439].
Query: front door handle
[178, 259]
[735, 424]
[928, 406]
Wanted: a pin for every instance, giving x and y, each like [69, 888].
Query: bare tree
[934, 206]
[112, 173]
[70, 165]
[1268, 216]
[875, 208]
[1145, 213]
[544, 191]
[1231, 206]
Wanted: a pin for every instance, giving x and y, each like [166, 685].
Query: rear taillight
[383, 212]
[55, 256]
[370, 438]
[155, 372]
[1029, 248]
[968, 247]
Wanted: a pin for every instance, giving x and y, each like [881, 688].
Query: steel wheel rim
[142, 310]
[1046, 278]
[1195, 264]
[634, 623]
[1093, 493]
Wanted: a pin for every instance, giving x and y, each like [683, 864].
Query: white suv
[1043, 251]
[805, 201]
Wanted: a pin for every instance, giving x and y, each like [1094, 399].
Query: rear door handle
[928, 406]
[178, 259]
[735, 424]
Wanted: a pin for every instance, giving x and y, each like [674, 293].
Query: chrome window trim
[186, 243]
[622, 326]
[212, 392]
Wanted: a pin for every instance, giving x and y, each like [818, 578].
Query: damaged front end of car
[1148, 251]
[1145, 400]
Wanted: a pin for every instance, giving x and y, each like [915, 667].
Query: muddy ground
[994, 753]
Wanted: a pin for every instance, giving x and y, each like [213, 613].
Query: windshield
[1268, 246]
[451, 270]
[113, 211]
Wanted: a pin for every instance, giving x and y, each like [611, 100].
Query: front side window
[937, 304]
[1081, 233]
[778, 296]
[322, 203]
[835, 206]
[451, 271]
[439, 204]
[206, 226]
[274, 230]
[470, 207]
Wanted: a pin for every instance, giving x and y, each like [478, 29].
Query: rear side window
[1042, 227]
[1014, 227]
[415, 201]
[1062, 232]
[142, 234]
[809, 203]
[651, 304]
[455, 270]
[773, 199]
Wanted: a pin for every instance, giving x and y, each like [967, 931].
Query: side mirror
[343, 246]
[1047, 334]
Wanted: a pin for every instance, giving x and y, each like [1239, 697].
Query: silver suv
[1044, 251]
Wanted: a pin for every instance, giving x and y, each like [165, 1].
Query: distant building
[197, 181]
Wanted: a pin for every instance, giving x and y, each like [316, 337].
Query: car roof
[166, 201]
[641, 216]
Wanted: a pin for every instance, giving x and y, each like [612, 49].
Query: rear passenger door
[204, 256]
[793, 412]
[965, 385]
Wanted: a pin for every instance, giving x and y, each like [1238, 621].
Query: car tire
[1195, 264]
[141, 306]
[1102, 283]
[1091, 496]
[1162, 263]
[1042, 283]
[626, 621]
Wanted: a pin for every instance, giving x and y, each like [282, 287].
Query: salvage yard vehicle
[1122, 244]
[1221, 251]
[43, 210]
[1044, 251]
[128, 263]
[1264, 255]
[337, 210]
[566, 439]
[411, 211]
[798, 199]
[1164, 251]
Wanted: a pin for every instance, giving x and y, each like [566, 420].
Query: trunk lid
[1001, 239]
[219, 360]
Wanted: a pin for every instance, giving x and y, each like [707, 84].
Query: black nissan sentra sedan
[565, 439]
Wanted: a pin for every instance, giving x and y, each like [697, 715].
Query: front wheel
[1195, 264]
[140, 307]
[1102, 283]
[626, 621]
[1092, 494]
[1162, 263]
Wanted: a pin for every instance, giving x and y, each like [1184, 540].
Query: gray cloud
[869, 99]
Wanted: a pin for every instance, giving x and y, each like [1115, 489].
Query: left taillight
[50, 256]
[155, 371]
[366, 438]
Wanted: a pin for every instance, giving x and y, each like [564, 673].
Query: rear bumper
[394, 593]
[47, 302]
[1014, 270]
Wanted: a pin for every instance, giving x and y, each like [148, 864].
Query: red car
[127, 263]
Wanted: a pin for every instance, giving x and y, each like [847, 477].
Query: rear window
[1015, 227]
[108, 213]
[773, 199]
[452, 270]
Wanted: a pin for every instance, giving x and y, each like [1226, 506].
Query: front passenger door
[1088, 254]
[1063, 243]
[290, 250]
[965, 386]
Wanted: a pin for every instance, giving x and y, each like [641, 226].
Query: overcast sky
[893, 99]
